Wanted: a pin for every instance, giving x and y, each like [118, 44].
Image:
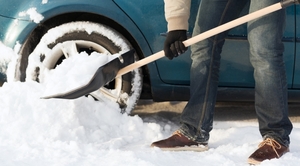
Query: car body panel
[56, 7]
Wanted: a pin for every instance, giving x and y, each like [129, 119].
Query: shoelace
[177, 132]
[271, 142]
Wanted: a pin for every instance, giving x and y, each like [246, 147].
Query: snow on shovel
[104, 74]
[114, 68]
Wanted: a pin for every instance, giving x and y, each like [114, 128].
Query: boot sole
[199, 148]
[252, 161]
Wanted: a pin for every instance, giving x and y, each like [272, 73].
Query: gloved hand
[173, 46]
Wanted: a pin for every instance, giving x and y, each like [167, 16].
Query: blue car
[138, 24]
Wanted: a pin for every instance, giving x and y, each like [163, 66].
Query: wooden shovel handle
[204, 35]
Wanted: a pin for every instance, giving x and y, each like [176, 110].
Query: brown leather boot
[268, 149]
[178, 142]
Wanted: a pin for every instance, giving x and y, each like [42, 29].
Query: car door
[296, 82]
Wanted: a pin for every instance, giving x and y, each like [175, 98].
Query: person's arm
[177, 14]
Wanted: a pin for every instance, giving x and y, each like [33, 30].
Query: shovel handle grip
[286, 3]
[211, 32]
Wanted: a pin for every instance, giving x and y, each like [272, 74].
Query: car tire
[88, 37]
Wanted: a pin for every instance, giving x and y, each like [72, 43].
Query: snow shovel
[113, 69]
[103, 75]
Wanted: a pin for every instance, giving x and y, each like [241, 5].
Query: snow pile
[34, 131]
[74, 72]
[86, 132]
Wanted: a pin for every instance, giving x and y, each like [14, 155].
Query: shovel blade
[103, 75]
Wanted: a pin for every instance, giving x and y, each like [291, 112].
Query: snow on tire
[59, 42]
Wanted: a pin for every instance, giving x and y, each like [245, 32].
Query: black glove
[173, 44]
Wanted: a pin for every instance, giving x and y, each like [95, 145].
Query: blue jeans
[266, 56]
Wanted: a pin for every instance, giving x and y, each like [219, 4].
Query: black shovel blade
[103, 75]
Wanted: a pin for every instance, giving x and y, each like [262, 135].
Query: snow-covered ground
[84, 132]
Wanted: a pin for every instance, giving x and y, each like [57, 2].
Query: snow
[85, 132]
[33, 15]
[71, 69]
[5, 57]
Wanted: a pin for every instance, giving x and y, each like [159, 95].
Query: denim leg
[266, 56]
[197, 116]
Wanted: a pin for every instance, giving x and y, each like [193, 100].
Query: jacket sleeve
[177, 13]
